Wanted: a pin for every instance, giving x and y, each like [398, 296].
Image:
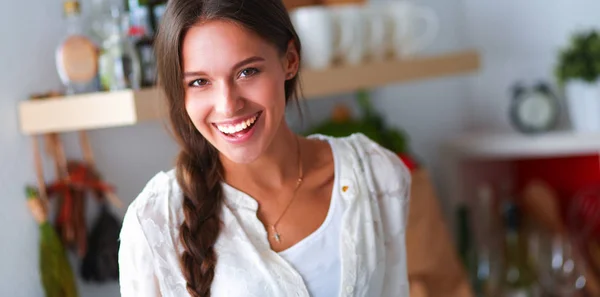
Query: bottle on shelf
[144, 18]
[519, 278]
[76, 54]
[119, 61]
[487, 266]
[144, 46]
[485, 253]
[96, 18]
[147, 13]
[468, 249]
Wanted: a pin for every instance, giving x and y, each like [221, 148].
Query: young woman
[251, 208]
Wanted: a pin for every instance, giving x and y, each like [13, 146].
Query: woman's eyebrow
[236, 66]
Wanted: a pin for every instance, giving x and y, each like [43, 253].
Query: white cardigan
[375, 187]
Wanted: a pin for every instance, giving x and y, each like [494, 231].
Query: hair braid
[199, 176]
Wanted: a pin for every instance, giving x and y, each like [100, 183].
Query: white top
[317, 257]
[374, 185]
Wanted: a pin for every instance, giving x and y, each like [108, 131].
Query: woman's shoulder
[386, 171]
[355, 141]
[160, 198]
[148, 236]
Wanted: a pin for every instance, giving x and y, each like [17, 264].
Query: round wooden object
[78, 59]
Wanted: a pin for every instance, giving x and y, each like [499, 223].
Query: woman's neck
[276, 168]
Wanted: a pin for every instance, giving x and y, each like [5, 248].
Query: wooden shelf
[123, 108]
[516, 146]
[367, 76]
[89, 111]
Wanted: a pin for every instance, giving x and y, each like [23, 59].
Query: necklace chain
[276, 234]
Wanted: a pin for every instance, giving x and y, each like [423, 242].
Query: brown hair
[199, 170]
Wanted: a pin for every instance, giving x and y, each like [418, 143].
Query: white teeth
[230, 129]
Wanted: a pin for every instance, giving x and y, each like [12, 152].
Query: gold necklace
[276, 234]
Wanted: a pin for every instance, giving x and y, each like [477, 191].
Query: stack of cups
[352, 33]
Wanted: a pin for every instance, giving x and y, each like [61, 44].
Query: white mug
[350, 33]
[379, 32]
[407, 19]
[315, 28]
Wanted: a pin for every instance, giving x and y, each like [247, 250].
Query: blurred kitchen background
[494, 105]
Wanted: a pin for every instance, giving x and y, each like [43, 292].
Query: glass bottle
[518, 276]
[143, 41]
[144, 46]
[139, 16]
[76, 55]
[488, 266]
[150, 10]
[119, 62]
[468, 249]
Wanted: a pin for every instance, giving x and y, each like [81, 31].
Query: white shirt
[317, 257]
[374, 186]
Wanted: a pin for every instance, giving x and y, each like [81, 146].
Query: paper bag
[433, 261]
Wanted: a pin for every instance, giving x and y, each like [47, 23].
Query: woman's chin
[241, 155]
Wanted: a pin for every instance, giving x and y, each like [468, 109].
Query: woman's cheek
[196, 108]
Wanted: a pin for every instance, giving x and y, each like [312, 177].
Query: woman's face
[234, 82]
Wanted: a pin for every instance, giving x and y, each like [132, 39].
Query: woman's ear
[291, 60]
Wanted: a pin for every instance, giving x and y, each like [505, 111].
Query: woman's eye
[198, 83]
[248, 72]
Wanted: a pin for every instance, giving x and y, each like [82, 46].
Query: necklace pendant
[276, 234]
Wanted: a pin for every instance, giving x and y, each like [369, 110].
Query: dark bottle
[518, 276]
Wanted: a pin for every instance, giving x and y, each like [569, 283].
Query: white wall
[27, 39]
[519, 40]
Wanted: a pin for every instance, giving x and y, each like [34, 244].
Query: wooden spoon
[541, 202]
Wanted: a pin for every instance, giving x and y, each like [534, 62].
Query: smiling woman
[252, 209]
[238, 77]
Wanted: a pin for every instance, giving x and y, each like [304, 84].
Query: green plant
[581, 59]
[371, 124]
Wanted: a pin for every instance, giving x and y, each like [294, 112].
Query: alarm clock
[534, 109]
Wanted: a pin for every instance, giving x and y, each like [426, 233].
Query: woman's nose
[228, 101]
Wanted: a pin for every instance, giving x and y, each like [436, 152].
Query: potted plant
[578, 71]
[371, 124]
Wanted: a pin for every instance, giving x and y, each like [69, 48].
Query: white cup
[379, 32]
[315, 28]
[415, 27]
[350, 33]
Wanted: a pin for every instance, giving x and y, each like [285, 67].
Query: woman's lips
[234, 126]
[240, 130]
